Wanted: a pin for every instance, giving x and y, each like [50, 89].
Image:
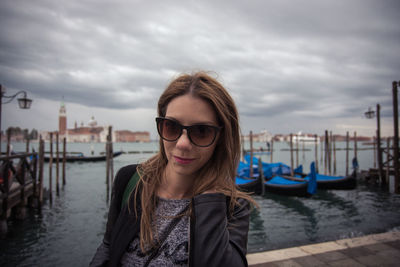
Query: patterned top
[174, 250]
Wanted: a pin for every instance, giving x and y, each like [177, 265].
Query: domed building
[92, 133]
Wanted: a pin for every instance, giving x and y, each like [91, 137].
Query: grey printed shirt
[174, 250]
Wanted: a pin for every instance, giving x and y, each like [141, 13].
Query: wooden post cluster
[57, 159]
[19, 186]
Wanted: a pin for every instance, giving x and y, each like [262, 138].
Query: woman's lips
[183, 160]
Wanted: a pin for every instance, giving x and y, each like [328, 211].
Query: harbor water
[67, 231]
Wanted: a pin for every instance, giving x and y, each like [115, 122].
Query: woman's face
[185, 158]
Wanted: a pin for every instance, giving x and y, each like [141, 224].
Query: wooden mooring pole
[291, 155]
[8, 142]
[387, 159]
[57, 165]
[41, 163]
[334, 155]
[355, 145]
[272, 149]
[261, 173]
[326, 153]
[27, 145]
[51, 168]
[330, 153]
[64, 160]
[242, 145]
[396, 139]
[251, 154]
[109, 163]
[347, 153]
[316, 153]
[374, 148]
[297, 150]
[378, 145]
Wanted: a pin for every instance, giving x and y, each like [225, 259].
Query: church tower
[62, 120]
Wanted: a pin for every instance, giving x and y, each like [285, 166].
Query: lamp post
[23, 102]
[370, 114]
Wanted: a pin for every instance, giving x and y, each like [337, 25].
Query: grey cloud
[316, 59]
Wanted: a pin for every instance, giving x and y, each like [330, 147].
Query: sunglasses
[202, 135]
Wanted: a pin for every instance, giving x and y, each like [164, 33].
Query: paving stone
[346, 263]
[310, 261]
[275, 255]
[356, 252]
[267, 264]
[373, 260]
[377, 247]
[288, 263]
[373, 250]
[394, 244]
[331, 256]
[357, 242]
[385, 237]
[390, 253]
[322, 247]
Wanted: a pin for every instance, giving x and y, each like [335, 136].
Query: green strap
[129, 188]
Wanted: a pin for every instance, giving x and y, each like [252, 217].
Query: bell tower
[62, 119]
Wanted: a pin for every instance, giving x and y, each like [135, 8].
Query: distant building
[128, 136]
[92, 132]
[263, 136]
[62, 120]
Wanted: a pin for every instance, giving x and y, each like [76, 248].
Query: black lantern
[24, 103]
[370, 113]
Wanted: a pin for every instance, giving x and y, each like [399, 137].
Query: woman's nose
[183, 141]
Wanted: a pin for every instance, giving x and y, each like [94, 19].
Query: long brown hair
[220, 170]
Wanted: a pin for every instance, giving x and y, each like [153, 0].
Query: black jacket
[216, 239]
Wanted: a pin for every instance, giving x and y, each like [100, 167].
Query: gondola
[293, 186]
[285, 186]
[82, 158]
[245, 182]
[277, 179]
[327, 182]
[336, 182]
[250, 185]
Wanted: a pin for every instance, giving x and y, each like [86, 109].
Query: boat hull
[326, 182]
[343, 183]
[249, 185]
[299, 190]
[82, 158]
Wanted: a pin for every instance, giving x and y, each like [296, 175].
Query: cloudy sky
[290, 65]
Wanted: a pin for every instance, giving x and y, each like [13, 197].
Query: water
[67, 232]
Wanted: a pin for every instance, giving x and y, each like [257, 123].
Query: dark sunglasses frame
[159, 120]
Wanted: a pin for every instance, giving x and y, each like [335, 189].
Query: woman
[185, 208]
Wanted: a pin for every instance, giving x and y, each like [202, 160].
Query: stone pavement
[372, 250]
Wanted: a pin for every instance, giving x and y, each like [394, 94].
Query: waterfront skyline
[305, 67]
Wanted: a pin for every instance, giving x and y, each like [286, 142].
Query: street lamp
[370, 113]
[23, 102]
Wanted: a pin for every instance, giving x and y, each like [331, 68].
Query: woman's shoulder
[124, 174]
